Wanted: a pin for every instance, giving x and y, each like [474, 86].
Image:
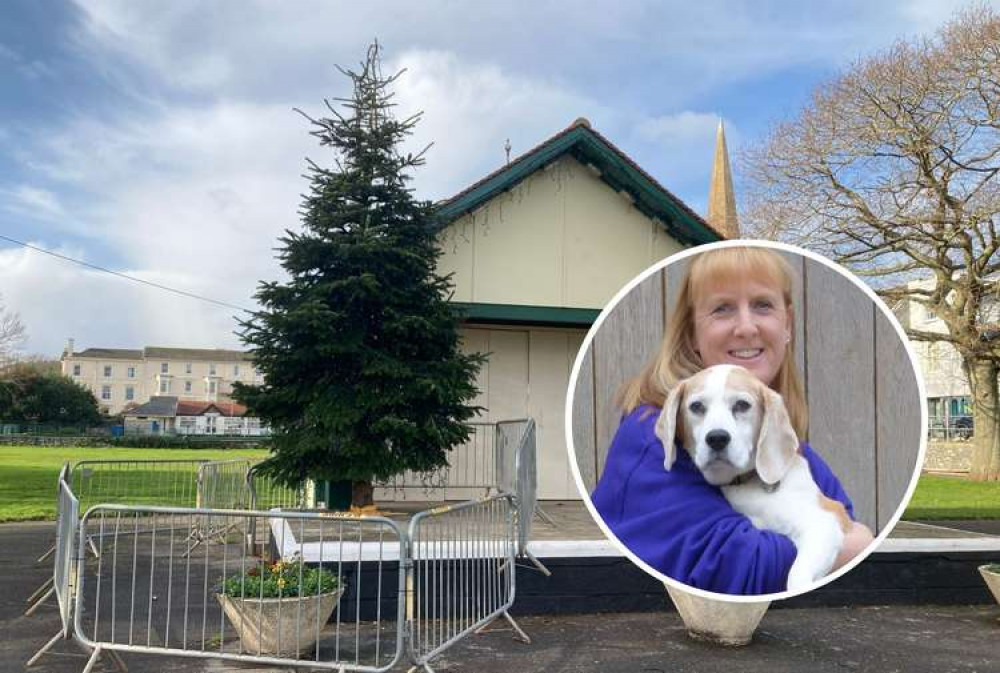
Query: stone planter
[992, 579]
[720, 622]
[281, 627]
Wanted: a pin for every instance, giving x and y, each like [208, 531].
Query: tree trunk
[362, 494]
[986, 421]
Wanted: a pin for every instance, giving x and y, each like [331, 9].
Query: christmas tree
[363, 377]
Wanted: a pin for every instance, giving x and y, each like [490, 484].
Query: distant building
[120, 377]
[169, 415]
[949, 402]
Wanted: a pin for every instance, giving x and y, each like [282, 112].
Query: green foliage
[280, 580]
[359, 348]
[33, 395]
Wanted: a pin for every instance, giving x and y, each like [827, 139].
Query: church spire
[721, 198]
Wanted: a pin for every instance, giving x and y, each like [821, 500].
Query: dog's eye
[696, 407]
[741, 406]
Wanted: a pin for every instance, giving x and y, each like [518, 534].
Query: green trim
[621, 175]
[518, 314]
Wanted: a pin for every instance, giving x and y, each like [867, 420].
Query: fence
[62, 582]
[473, 471]
[267, 494]
[146, 595]
[170, 482]
[950, 428]
[462, 573]
[183, 581]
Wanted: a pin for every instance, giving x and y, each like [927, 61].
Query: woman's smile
[743, 322]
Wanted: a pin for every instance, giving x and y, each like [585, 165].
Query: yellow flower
[277, 567]
[281, 583]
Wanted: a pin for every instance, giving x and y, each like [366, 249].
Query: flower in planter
[282, 579]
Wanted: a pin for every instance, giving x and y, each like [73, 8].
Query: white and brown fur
[739, 435]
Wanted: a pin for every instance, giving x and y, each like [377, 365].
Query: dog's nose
[717, 440]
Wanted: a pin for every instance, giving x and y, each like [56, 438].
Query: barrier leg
[50, 552]
[538, 564]
[543, 515]
[34, 606]
[93, 547]
[46, 585]
[45, 648]
[93, 659]
[521, 634]
[119, 662]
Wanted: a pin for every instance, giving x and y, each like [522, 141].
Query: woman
[734, 307]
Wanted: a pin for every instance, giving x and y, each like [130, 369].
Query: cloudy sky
[158, 139]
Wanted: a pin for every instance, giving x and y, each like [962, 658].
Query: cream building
[948, 398]
[121, 377]
[536, 250]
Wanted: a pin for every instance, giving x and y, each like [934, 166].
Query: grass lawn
[28, 483]
[28, 473]
[947, 497]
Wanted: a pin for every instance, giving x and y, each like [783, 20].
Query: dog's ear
[777, 444]
[666, 424]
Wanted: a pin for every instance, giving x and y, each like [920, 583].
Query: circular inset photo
[745, 421]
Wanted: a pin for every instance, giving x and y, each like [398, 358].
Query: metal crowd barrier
[145, 594]
[267, 494]
[462, 573]
[136, 482]
[63, 576]
[133, 482]
[473, 471]
[372, 592]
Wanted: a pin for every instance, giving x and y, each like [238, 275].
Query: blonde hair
[678, 358]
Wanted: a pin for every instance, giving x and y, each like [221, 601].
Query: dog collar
[741, 479]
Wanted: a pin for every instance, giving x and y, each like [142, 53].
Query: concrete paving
[899, 638]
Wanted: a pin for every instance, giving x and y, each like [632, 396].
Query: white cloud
[57, 300]
[193, 179]
[32, 202]
[471, 109]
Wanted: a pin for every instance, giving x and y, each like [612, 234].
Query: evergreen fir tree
[359, 349]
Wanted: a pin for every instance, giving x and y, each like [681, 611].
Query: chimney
[69, 348]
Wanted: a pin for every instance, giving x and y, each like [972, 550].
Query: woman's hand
[856, 540]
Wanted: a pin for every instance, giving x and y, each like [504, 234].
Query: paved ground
[900, 638]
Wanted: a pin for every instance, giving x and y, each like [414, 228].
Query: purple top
[683, 526]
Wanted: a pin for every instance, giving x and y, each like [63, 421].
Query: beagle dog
[739, 435]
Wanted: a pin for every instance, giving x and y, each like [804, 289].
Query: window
[187, 386]
[213, 387]
[131, 372]
[76, 370]
[105, 392]
[107, 371]
[164, 367]
[925, 313]
[164, 386]
[236, 371]
[129, 393]
[211, 369]
[187, 368]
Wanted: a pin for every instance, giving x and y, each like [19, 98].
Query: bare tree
[11, 335]
[892, 170]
